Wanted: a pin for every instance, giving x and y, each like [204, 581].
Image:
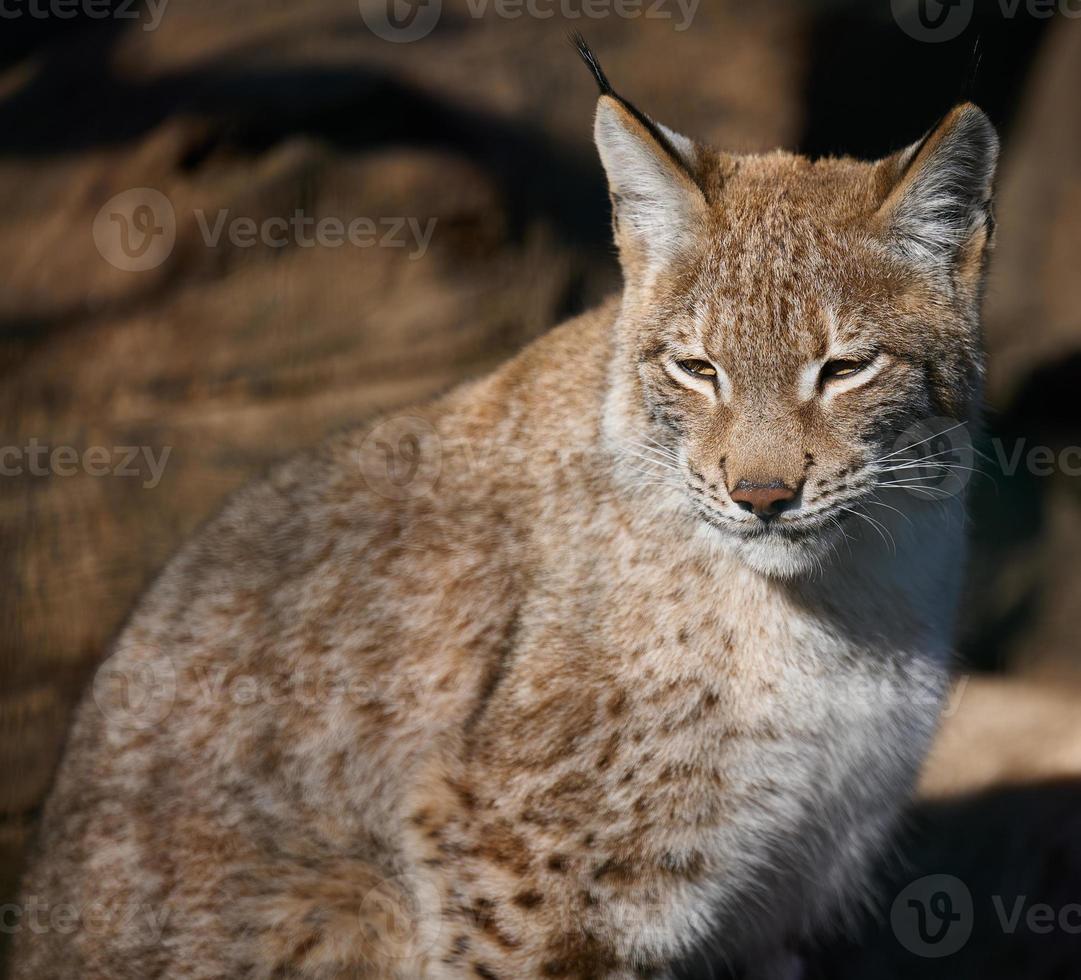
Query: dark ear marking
[916, 150]
[616, 202]
[594, 65]
[944, 191]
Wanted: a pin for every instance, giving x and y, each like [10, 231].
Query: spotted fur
[578, 713]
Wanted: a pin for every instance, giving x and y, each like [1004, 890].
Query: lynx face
[785, 321]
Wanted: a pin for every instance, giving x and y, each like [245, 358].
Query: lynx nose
[765, 500]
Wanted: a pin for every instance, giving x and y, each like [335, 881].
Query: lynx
[632, 648]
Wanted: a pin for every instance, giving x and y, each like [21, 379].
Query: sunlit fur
[573, 717]
[780, 265]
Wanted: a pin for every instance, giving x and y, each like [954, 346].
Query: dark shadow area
[76, 102]
[250, 112]
[995, 876]
[990, 889]
[1008, 507]
[1049, 401]
[871, 87]
[25, 31]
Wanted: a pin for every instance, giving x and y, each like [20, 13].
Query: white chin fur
[780, 557]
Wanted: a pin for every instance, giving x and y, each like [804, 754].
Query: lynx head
[785, 320]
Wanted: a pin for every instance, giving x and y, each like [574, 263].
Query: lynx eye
[842, 368]
[699, 369]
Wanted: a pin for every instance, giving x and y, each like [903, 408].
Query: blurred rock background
[231, 357]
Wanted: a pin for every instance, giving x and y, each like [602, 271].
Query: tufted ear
[939, 206]
[656, 201]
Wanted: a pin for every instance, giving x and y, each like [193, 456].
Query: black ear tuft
[663, 138]
[593, 64]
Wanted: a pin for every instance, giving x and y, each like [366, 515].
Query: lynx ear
[655, 199]
[939, 208]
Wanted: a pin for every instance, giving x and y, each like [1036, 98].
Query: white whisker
[879, 503]
[652, 461]
[905, 449]
[882, 530]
